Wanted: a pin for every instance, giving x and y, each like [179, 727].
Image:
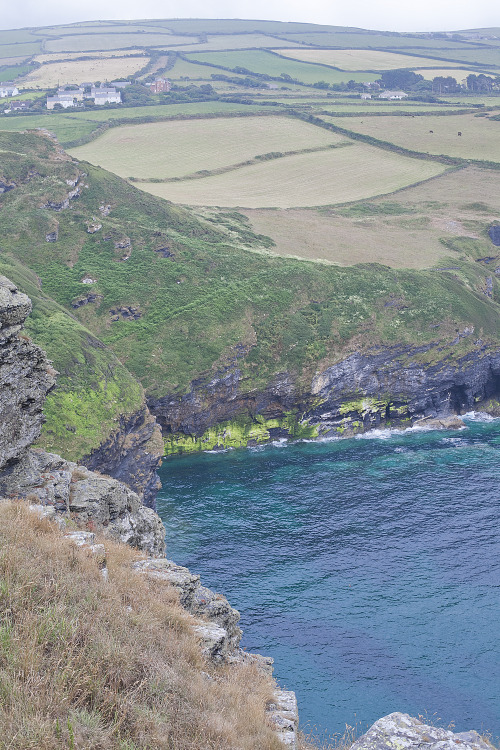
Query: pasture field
[90, 42]
[235, 41]
[58, 56]
[488, 100]
[372, 106]
[404, 230]
[353, 173]
[65, 127]
[9, 72]
[20, 50]
[14, 36]
[14, 61]
[76, 71]
[178, 148]
[185, 68]
[71, 127]
[358, 59]
[458, 73]
[96, 28]
[433, 134]
[373, 40]
[260, 61]
[479, 55]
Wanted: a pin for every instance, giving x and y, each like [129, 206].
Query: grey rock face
[399, 731]
[91, 499]
[132, 455]
[395, 385]
[26, 377]
[218, 628]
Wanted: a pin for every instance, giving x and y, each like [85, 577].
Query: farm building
[106, 96]
[393, 95]
[159, 85]
[121, 84]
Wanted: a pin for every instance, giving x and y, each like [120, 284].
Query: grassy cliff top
[175, 295]
[115, 665]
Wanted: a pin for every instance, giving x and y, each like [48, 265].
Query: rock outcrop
[402, 732]
[132, 454]
[395, 386]
[26, 376]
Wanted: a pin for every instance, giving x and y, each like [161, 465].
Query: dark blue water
[368, 568]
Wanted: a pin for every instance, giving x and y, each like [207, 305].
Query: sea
[368, 568]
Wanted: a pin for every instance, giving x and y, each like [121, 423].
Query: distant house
[393, 95]
[121, 84]
[159, 85]
[366, 96]
[78, 94]
[8, 89]
[65, 100]
[20, 105]
[108, 95]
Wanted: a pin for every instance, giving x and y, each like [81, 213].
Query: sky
[388, 15]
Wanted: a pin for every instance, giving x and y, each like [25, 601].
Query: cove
[368, 568]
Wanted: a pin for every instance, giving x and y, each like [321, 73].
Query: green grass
[260, 61]
[175, 149]
[216, 293]
[10, 72]
[21, 49]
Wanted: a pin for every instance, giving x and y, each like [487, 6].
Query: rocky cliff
[26, 377]
[395, 386]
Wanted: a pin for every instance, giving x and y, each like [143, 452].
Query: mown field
[77, 71]
[418, 227]
[358, 59]
[260, 61]
[84, 42]
[175, 149]
[432, 134]
[58, 56]
[349, 173]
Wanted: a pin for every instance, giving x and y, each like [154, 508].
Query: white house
[8, 89]
[65, 100]
[393, 95]
[105, 95]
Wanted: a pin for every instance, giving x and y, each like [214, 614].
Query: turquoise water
[368, 568]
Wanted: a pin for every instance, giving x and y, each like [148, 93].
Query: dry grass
[85, 664]
[354, 172]
[358, 59]
[52, 56]
[78, 71]
[404, 230]
[178, 148]
[432, 134]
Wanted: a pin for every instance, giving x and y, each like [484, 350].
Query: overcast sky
[391, 15]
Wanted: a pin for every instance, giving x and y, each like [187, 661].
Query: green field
[20, 50]
[83, 42]
[235, 41]
[355, 172]
[259, 61]
[480, 137]
[186, 69]
[175, 149]
[419, 225]
[358, 59]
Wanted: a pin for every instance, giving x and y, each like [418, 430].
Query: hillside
[327, 228]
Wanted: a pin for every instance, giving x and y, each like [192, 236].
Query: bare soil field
[354, 172]
[479, 139]
[404, 230]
